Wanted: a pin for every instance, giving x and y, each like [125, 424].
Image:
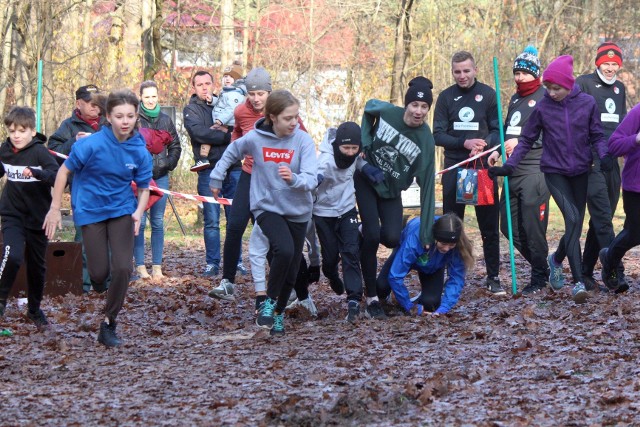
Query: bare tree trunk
[87, 29]
[402, 50]
[256, 40]
[131, 51]
[7, 35]
[245, 35]
[227, 33]
[152, 39]
[21, 83]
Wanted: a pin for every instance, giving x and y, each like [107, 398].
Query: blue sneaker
[579, 293]
[242, 270]
[556, 276]
[211, 270]
[265, 314]
[278, 324]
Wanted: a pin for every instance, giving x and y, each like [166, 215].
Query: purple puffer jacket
[569, 128]
[623, 142]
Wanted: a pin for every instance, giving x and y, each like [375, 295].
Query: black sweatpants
[431, 285]
[109, 246]
[488, 218]
[630, 234]
[237, 222]
[286, 241]
[381, 223]
[340, 240]
[23, 244]
[570, 194]
[529, 198]
[602, 200]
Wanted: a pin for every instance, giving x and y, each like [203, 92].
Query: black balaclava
[348, 133]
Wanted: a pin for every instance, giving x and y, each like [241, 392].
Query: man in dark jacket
[198, 122]
[85, 119]
[465, 123]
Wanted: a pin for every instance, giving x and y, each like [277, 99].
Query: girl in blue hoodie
[283, 176]
[104, 165]
[452, 250]
[569, 121]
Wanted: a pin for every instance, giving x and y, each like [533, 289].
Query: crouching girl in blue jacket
[452, 250]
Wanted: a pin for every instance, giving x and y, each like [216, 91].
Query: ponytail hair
[465, 248]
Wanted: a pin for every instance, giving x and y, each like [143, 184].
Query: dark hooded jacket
[198, 121]
[27, 199]
[65, 136]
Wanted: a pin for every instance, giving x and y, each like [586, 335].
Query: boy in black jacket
[31, 171]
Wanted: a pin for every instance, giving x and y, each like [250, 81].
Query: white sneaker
[308, 305]
[224, 291]
[293, 300]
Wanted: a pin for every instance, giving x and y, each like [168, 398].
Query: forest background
[333, 54]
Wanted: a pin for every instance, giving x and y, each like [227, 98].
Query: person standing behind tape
[159, 125]
[198, 122]
[603, 191]
[465, 123]
[528, 192]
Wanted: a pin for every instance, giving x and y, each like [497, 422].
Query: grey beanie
[258, 79]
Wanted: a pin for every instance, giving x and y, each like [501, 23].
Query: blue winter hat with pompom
[528, 62]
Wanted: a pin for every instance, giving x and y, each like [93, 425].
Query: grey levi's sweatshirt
[269, 192]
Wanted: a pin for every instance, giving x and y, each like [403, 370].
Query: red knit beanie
[609, 52]
[560, 72]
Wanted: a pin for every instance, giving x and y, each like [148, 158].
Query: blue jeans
[211, 212]
[156, 216]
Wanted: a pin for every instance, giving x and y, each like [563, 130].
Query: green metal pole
[39, 99]
[514, 285]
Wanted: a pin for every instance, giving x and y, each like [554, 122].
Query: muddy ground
[191, 360]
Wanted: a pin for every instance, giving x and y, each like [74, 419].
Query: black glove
[606, 163]
[504, 170]
[37, 173]
[320, 179]
[374, 174]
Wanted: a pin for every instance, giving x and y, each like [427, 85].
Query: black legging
[236, 225]
[22, 244]
[286, 241]
[381, 223]
[431, 285]
[487, 216]
[339, 241]
[570, 194]
[630, 234]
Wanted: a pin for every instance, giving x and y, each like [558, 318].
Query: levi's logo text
[277, 155]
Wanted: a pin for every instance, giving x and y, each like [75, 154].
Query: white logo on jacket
[14, 173]
[466, 114]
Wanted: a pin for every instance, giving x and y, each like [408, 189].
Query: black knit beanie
[419, 90]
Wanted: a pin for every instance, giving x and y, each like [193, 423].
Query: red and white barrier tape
[470, 159]
[195, 197]
[228, 202]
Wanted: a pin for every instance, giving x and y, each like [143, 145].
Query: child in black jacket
[31, 171]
